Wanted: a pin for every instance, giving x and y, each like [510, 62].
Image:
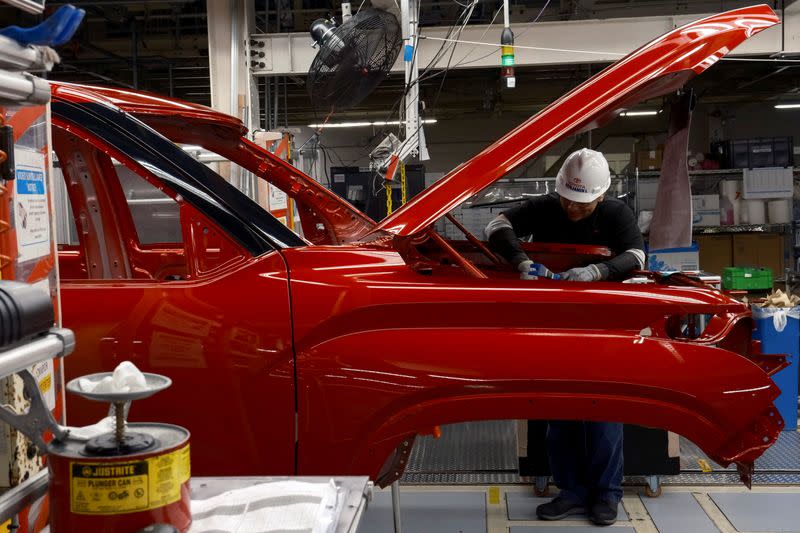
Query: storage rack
[707, 182]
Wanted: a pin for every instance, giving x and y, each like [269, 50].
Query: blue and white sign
[31, 210]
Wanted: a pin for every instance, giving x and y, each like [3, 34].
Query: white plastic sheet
[279, 506]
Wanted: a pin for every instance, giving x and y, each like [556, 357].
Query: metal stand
[396, 505]
[57, 343]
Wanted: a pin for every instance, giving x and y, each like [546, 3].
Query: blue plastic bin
[786, 341]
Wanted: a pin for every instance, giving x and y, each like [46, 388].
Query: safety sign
[31, 209]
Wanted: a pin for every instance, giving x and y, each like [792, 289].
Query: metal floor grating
[470, 447]
[781, 457]
[485, 453]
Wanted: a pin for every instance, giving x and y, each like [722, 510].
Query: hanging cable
[403, 187]
[388, 187]
[539, 48]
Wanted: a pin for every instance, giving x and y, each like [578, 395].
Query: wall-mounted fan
[353, 58]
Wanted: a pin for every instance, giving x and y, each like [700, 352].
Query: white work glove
[587, 273]
[524, 267]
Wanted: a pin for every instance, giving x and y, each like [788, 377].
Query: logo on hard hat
[575, 185]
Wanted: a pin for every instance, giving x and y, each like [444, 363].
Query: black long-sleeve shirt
[612, 224]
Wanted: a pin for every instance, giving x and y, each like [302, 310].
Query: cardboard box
[649, 159]
[706, 218]
[705, 210]
[648, 190]
[674, 259]
[716, 252]
[705, 202]
[759, 250]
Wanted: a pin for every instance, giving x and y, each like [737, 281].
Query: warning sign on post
[31, 210]
[112, 488]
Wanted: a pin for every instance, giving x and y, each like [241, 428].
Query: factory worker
[585, 457]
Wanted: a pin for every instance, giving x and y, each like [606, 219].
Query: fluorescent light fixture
[639, 113]
[787, 106]
[363, 124]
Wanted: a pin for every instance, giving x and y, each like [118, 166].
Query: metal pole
[275, 110]
[234, 46]
[171, 86]
[396, 505]
[267, 103]
[286, 101]
[408, 14]
[135, 53]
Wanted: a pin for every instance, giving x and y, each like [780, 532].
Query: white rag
[289, 506]
[126, 378]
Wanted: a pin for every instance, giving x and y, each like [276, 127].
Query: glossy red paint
[331, 358]
[383, 354]
[223, 135]
[657, 68]
[145, 104]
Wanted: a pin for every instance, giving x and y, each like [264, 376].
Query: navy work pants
[586, 460]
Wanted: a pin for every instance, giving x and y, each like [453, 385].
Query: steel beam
[597, 41]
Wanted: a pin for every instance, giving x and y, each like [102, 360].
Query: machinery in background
[366, 191]
[353, 58]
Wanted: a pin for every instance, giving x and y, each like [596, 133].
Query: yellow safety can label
[129, 487]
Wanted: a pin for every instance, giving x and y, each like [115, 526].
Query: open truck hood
[660, 67]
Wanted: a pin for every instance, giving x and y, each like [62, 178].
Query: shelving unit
[708, 182]
[744, 228]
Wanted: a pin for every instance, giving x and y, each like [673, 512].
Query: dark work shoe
[604, 513]
[559, 508]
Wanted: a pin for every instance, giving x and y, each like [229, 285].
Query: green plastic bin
[744, 278]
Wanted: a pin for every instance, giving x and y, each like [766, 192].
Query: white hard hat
[584, 176]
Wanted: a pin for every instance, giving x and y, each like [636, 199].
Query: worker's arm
[506, 230]
[628, 246]
[503, 240]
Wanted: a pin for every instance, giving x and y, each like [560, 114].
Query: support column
[233, 89]
[409, 14]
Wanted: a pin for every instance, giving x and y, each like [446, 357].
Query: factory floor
[466, 482]
[512, 509]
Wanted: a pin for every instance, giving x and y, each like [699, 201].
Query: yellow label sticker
[129, 487]
[494, 495]
[704, 466]
[46, 384]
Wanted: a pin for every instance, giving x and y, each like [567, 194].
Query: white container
[756, 211]
[729, 194]
[780, 211]
[674, 259]
[729, 188]
[767, 183]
